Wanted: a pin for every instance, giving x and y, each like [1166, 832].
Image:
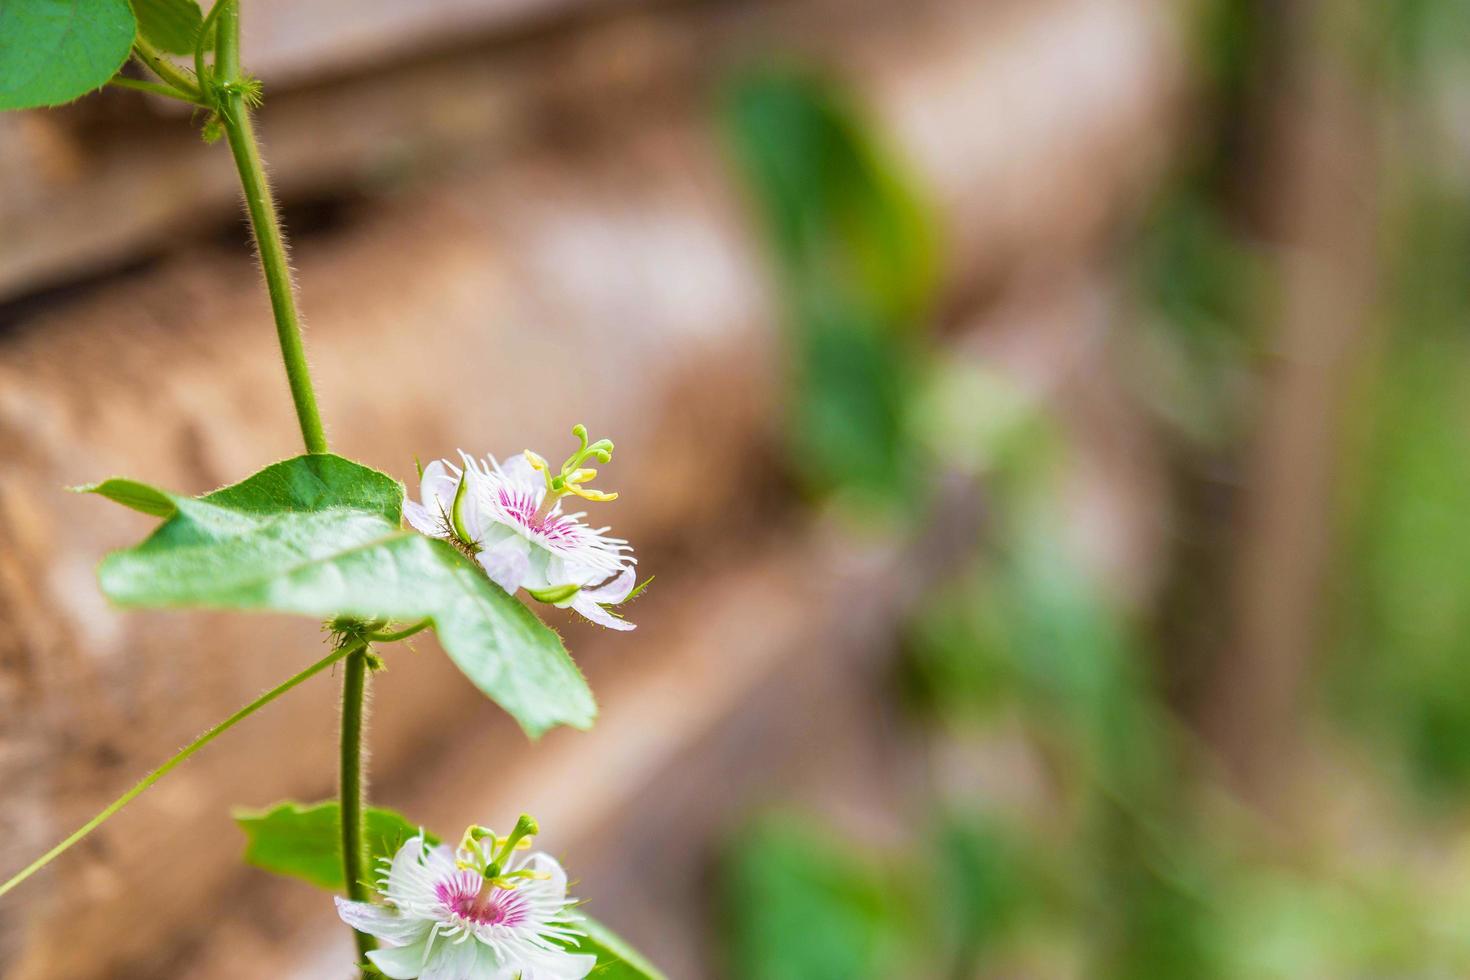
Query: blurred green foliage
[1402, 664]
[801, 906]
[1138, 866]
[1419, 37]
[985, 880]
[1029, 628]
[804, 904]
[1400, 669]
[855, 253]
[1201, 286]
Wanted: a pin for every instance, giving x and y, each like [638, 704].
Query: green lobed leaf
[616, 960]
[319, 535]
[169, 25]
[53, 51]
[305, 841]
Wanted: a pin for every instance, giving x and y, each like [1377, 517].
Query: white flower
[509, 518]
[483, 912]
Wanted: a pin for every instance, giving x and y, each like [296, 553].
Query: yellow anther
[596, 496]
[582, 476]
[537, 463]
[473, 834]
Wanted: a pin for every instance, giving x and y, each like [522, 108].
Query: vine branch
[355, 647]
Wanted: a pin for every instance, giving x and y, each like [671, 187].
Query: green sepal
[552, 596]
[638, 589]
[134, 495]
[456, 510]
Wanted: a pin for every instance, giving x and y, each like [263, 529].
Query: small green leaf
[169, 25]
[301, 841]
[616, 960]
[131, 493]
[53, 51]
[320, 535]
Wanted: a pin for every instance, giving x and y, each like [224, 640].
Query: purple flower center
[521, 504]
[473, 899]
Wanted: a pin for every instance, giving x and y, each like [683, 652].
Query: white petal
[520, 470]
[538, 575]
[450, 960]
[589, 608]
[554, 886]
[438, 485]
[423, 520]
[375, 920]
[507, 562]
[616, 590]
[400, 962]
[575, 966]
[543, 964]
[472, 508]
[561, 570]
[414, 872]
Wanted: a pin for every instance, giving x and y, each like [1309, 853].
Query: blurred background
[1045, 421]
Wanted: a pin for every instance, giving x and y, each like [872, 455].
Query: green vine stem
[227, 93]
[234, 112]
[155, 88]
[269, 241]
[355, 648]
[165, 69]
[226, 90]
[349, 794]
[402, 634]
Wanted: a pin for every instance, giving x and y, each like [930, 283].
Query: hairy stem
[269, 241]
[349, 650]
[210, 24]
[154, 88]
[166, 69]
[402, 634]
[354, 857]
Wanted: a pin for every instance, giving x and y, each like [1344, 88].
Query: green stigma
[487, 854]
[574, 477]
